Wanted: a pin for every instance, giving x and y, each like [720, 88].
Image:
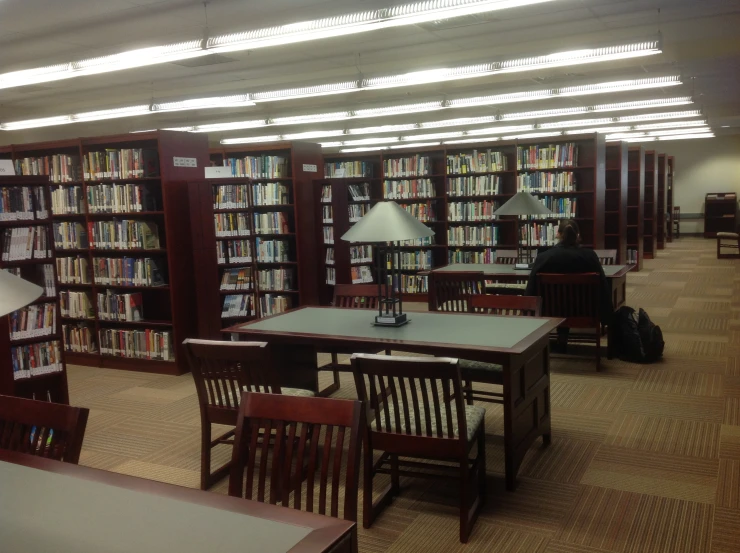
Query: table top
[50, 506]
[494, 269]
[460, 330]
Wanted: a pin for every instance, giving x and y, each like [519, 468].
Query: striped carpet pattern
[644, 459]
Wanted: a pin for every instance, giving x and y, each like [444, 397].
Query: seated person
[569, 257]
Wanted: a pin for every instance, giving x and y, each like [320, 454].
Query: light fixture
[523, 203]
[236, 100]
[16, 292]
[416, 145]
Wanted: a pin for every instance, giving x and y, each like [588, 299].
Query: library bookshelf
[456, 192]
[279, 268]
[669, 196]
[124, 245]
[636, 205]
[650, 214]
[32, 360]
[615, 208]
[720, 213]
[662, 204]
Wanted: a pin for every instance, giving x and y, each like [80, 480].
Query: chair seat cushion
[474, 415]
[728, 235]
[483, 371]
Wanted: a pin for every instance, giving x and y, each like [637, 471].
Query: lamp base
[391, 320]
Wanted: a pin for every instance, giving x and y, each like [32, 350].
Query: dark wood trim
[636, 203]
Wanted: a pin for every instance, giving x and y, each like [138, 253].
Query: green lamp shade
[523, 203]
[16, 292]
[387, 222]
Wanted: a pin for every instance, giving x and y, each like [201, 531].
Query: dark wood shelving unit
[669, 196]
[172, 305]
[662, 201]
[635, 206]
[615, 214]
[50, 386]
[650, 213]
[720, 213]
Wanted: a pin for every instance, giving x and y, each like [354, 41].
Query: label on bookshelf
[185, 161]
[309, 168]
[6, 167]
[218, 172]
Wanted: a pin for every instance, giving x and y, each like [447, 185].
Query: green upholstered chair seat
[487, 371]
[728, 235]
[474, 415]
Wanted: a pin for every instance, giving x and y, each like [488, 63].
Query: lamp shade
[523, 203]
[387, 222]
[16, 292]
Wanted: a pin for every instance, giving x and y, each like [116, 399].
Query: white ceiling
[700, 43]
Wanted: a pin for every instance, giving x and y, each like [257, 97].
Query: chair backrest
[523, 306]
[306, 435]
[43, 429]
[575, 297]
[449, 291]
[506, 257]
[223, 370]
[676, 212]
[607, 257]
[411, 397]
[358, 296]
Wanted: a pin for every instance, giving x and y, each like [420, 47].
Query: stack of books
[128, 163]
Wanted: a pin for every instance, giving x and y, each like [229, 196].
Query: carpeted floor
[644, 459]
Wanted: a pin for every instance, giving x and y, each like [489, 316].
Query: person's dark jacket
[571, 259]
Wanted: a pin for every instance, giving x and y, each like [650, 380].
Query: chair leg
[395, 476]
[598, 351]
[367, 486]
[205, 455]
[468, 391]
[465, 487]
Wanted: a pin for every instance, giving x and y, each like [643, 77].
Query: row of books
[357, 212]
[73, 270]
[560, 207]
[407, 166]
[76, 305]
[276, 279]
[411, 284]
[231, 224]
[329, 256]
[362, 274]
[327, 214]
[424, 212]
[23, 203]
[407, 189]
[23, 243]
[124, 234]
[67, 200]
[552, 156]
[542, 234]
[238, 305]
[359, 192]
[270, 193]
[113, 306]
[479, 235]
[237, 278]
[59, 167]
[271, 223]
[326, 194]
[127, 163]
[70, 235]
[231, 196]
[233, 251]
[128, 271]
[331, 275]
[138, 344]
[33, 321]
[272, 251]
[121, 198]
[79, 338]
[328, 235]
[425, 241]
[546, 182]
[271, 304]
[348, 169]
[256, 167]
[485, 185]
[36, 359]
[421, 259]
[633, 256]
[472, 211]
[464, 256]
[361, 254]
[476, 162]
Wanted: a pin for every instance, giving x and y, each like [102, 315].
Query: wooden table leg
[297, 366]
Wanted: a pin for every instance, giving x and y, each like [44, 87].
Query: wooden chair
[607, 257]
[507, 257]
[415, 408]
[308, 437]
[450, 291]
[221, 372]
[728, 240]
[577, 299]
[676, 220]
[42, 429]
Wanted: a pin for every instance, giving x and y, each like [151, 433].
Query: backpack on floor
[635, 337]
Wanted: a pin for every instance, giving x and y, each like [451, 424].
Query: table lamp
[387, 224]
[523, 203]
[16, 292]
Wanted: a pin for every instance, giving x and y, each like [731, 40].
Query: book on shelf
[417, 165]
[128, 271]
[36, 359]
[361, 254]
[231, 196]
[257, 167]
[233, 251]
[113, 306]
[25, 243]
[238, 305]
[552, 156]
[272, 251]
[329, 260]
[541, 234]
[270, 193]
[275, 222]
[136, 344]
[348, 169]
[464, 256]
[124, 234]
[23, 203]
[121, 198]
[276, 279]
[76, 305]
[327, 214]
[67, 200]
[479, 235]
[560, 207]
[58, 167]
[326, 194]
[415, 260]
[472, 211]
[362, 274]
[484, 185]
[426, 213]
[274, 304]
[359, 192]
[476, 162]
[328, 235]
[127, 163]
[237, 278]
[70, 235]
[632, 256]
[408, 189]
[79, 338]
[231, 224]
[546, 182]
[331, 276]
[49, 282]
[357, 212]
[33, 321]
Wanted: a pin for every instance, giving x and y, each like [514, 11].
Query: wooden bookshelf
[303, 161]
[167, 308]
[720, 213]
[650, 213]
[669, 197]
[51, 386]
[635, 206]
[615, 210]
[662, 200]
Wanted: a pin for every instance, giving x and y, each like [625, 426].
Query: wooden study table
[519, 344]
[48, 506]
[616, 276]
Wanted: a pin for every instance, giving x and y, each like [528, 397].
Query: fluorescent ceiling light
[416, 145]
[353, 150]
[203, 103]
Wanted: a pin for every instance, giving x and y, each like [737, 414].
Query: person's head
[568, 233]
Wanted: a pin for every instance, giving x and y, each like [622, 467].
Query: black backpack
[635, 337]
